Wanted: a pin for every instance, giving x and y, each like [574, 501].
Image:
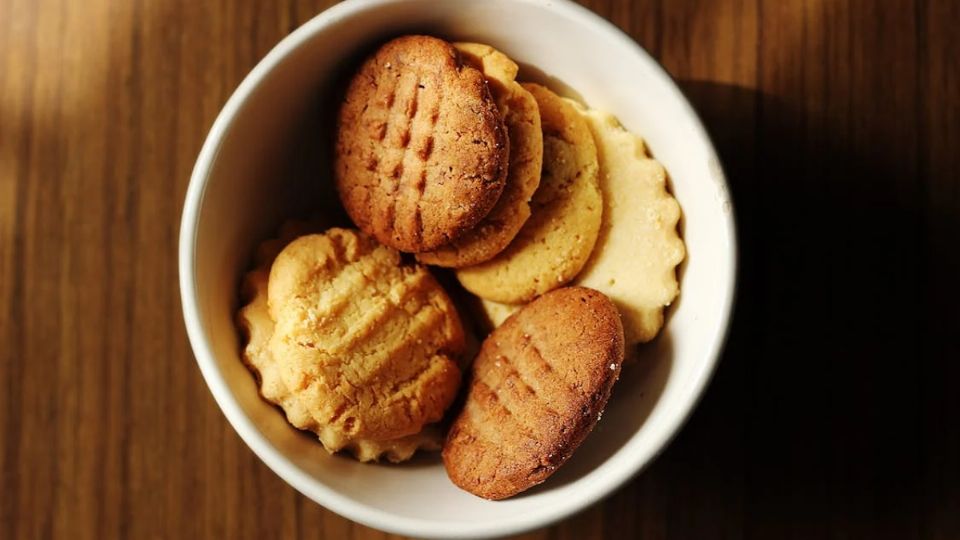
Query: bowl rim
[273, 457]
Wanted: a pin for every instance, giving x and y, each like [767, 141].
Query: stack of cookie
[551, 214]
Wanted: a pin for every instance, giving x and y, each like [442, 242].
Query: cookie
[538, 387]
[521, 116]
[556, 241]
[639, 248]
[352, 345]
[421, 153]
[258, 327]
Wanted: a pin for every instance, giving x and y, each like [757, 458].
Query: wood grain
[835, 412]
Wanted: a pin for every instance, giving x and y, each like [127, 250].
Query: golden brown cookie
[522, 119]
[422, 151]
[638, 249]
[555, 243]
[538, 387]
[353, 345]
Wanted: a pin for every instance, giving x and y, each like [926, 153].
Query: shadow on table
[834, 405]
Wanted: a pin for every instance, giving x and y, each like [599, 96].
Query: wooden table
[835, 413]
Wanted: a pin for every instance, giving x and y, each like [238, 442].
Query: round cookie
[421, 153]
[352, 345]
[254, 319]
[556, 241]
[538, 387]
[521, 116]
[638, 249]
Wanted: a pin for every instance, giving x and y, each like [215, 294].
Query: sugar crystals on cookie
[538, 387]
[521, 116]
[422, 152]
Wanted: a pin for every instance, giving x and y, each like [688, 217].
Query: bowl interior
[267, 159]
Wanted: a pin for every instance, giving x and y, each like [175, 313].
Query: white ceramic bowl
[246, 182]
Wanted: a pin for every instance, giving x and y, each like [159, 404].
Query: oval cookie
[538, 387]
[352, 345]
[638, 249]
[555, 242]
[521, 116]
[421, 152]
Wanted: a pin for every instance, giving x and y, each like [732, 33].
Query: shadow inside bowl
[529, 73]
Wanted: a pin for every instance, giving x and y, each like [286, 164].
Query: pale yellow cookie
[635, 259]
[566, 209]
[351, 344]
[521, 116]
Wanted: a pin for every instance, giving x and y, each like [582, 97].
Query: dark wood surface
[835, 412]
